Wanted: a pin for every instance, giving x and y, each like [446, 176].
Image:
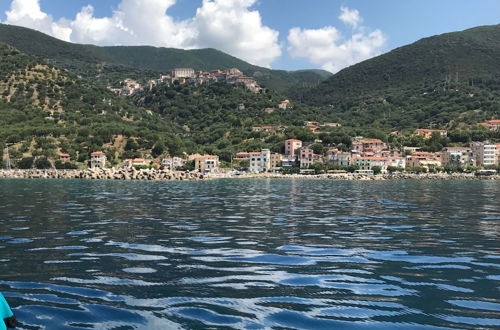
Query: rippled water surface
[252, 254]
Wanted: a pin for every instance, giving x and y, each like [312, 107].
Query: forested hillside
[44, 111]
[109, 64]
[442, 81]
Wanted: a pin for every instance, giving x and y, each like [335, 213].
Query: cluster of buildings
[195, 77]
[368, 153]
[128, 87]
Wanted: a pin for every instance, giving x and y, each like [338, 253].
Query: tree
[43, 163]
[25, 163]
[158, 150]
[376, 169]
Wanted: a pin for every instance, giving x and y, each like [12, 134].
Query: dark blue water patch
[20, 241]
[61, 318]
[490, 218]
[477, 304]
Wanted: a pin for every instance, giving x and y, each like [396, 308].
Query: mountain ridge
[119, 62]
[450, 57]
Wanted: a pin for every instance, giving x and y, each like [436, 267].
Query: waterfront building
[206, 163]
[484, 154]
[367, 163]
[337, 157]
[457, 156]
[288, 162]
[307, 157]
[397, 161]
[172, 163]
[276, 160]
[97, 159]
[429, 160]
[261, 162]
[291, 147]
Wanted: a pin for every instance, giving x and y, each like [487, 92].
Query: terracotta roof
[369, 141]
[206, 157]
[494, 121]
[370, 158]
[293, 140]
[63, 155]
[97, 153]
[456, 148]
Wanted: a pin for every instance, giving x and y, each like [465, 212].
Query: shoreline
[161, 175]
[362, 177]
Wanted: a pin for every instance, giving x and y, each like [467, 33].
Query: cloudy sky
[282, 34]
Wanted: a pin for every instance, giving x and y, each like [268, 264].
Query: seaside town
[365, 157]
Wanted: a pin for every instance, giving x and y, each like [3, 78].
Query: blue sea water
[251, 254]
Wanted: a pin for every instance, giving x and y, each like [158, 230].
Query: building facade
[484, 154]
[261, 162]
[457, 156]
[206, 164]
[97, 160]
[291, 147]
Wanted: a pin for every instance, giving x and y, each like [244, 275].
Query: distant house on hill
[64, 158]
[427, 133]
[493, 125]
[284, 104]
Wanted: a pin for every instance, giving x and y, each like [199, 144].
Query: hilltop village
[190, 76]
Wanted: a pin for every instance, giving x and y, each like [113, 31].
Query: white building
[172, 163]
[261, 162]
[337, 157]
[206, 164]
[97, 160]
[183, 73]
[484, 154]
[397, 162]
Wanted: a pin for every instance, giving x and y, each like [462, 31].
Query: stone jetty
[103, 174]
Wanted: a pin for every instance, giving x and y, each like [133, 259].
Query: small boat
[6, 314]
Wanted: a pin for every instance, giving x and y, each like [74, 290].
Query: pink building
[291, 147]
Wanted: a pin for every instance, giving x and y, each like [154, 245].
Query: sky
[280, 34]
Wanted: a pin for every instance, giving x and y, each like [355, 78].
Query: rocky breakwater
[103, 174]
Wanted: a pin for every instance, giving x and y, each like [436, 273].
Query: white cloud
[350, 17]
[328, 48]
[29, 14]
[228, 25]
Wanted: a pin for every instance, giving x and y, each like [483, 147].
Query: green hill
[45, 110]
[441, 80]
[448, 58]
[113, 63]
